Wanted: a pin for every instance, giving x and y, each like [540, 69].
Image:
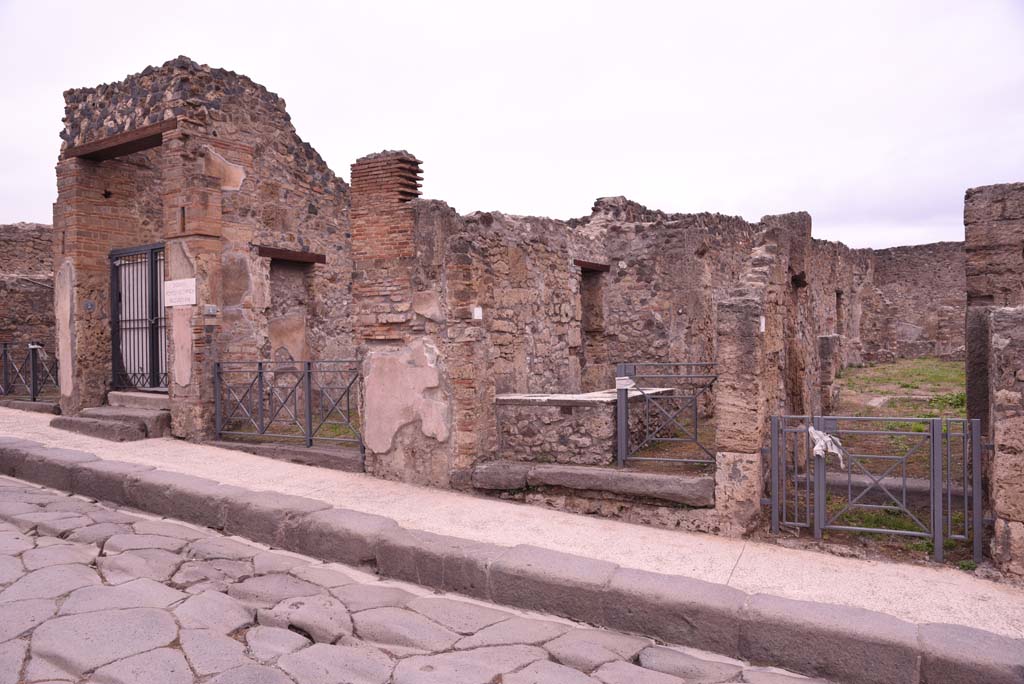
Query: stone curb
[846, 644]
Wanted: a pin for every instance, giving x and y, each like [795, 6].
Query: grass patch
[927, 375]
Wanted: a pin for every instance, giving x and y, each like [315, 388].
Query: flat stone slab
[171, 529]
[18, 617]
[620, 672]
[266, 591]
[12, 656]
[322, 617]
[139, 593]
[322, 663]
[357, 597]
[323, 575]
[516, 630]
[688, 667]
[478, 666]
[213, 610]
[211, 653]
[547, 672]
[221, 547]
[59, 554]
[217, 570]
[162, 666]
[80, 643]
[402, 627]
[155, 564]
[697, 491]
[98, 533]
[112, 430]
[458, 616]
[252, 674]
[131, 542]
[50, 582]
[268, 643]
[11, 568]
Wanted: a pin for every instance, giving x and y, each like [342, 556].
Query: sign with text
[180, 292]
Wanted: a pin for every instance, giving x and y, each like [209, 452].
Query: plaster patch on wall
[231, 175]
[63, 293]
[403, 386]
[181, 334]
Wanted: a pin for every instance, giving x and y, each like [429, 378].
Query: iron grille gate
[658, 418]
[920, 476]
[137, 320]
[27, 372]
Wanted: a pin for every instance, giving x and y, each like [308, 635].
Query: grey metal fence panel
[27, 371]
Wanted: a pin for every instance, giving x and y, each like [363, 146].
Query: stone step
[153, 401]
[41, 406]
[347, 459]
[697, 491]
[155, 423]
[115, 431]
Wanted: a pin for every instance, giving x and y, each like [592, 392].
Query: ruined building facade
[26, 285]
[462, 327]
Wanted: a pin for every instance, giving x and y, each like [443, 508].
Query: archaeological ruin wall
[241, 204]
[26, 285]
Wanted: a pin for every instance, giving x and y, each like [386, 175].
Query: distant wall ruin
[26, 285]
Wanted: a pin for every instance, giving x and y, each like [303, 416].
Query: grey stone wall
[26, 285]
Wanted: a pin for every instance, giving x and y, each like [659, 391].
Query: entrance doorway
[138, 330]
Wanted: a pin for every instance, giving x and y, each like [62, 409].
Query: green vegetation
[926, 376]
[967, 565]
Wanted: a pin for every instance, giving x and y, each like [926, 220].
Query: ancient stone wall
[231, 177]
[26, 284]
[1006, 427]
[994, 246]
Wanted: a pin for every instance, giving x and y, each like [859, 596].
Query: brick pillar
[193, 228]
[383, 250]
[407, 404]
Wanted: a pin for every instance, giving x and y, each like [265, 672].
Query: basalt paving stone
[266, 591]
[322, 617]
[547, 672]
[321, 663]
[103, 515]
[458, 616]
[357, 597]
[59, 554]
[131, 542]
[156, 564]
[479, 666]
[79, 643]
[10, 509]
[169, 529]
[402, 628]
[322, 575]
[586, 649]
[688, 667]
[620, 672]
[210, 653]
[11, 568]
[213, 610]
[50, 582]
[221, 547]
[252, 674]
[161, 666]
[267, 643]
[62, 526]
[140, 593]
[30, 521]
[756, 675]
[227, 571]
[73, 504]
[516, 630]
[269, 561]
[12, 656]
[13, 542]
[98, 533]
[20, 616]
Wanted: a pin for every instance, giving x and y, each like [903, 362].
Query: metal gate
[137, 323]
[658, 418]
[913, 477]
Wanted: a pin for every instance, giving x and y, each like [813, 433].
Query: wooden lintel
[121, 144]
[291, 255]
[591, 265]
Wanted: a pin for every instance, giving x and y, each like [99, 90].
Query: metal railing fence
[313, 402]
[27, 371]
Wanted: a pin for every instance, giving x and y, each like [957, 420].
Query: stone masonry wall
[26, 284]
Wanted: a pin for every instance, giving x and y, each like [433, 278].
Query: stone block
[834, 642]
[52, 467]
[550, 581]
[13, 452]
[690, 668]
[678, 610]
[262, 516]
[697, 491]
[963, 655]
[185, 497]
[437, 561]
[500, 475]
[337, 535]
[1008, 546]
[115, 431]
[105, 480]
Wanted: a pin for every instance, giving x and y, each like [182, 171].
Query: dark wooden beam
[591, 265]
[121, 144]
[291, 255]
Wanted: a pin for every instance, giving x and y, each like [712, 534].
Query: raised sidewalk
[598, 584]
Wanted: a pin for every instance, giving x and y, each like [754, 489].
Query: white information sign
[180, 292]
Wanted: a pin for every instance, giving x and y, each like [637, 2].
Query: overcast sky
[873, 116]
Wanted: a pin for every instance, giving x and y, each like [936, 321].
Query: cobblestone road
[92, 594]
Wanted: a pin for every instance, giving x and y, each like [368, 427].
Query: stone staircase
[128, 416]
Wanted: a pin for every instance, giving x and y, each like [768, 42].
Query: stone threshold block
[696, 491]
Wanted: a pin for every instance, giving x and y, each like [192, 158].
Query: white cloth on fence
[825, 444]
